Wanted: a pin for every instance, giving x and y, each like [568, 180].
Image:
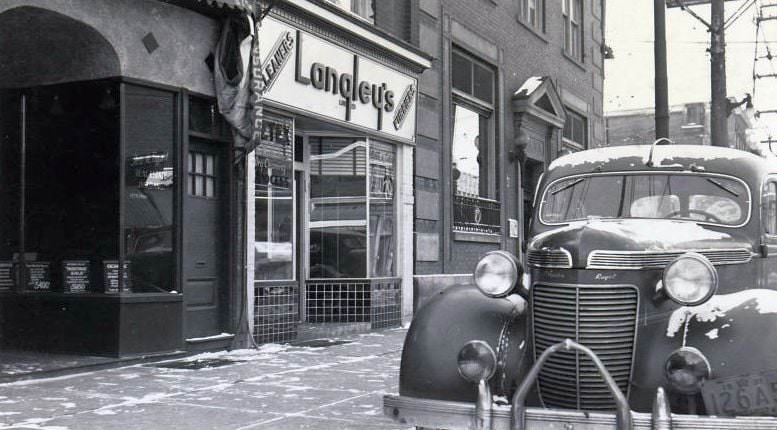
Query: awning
[216, 7]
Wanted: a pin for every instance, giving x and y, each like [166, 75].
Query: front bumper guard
[485, 415]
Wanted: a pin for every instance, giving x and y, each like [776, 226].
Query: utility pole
[719, 103]
[661, 80]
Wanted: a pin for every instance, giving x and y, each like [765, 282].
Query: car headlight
[690, 279]
[497, 273]
[686, 369]
[477, 361]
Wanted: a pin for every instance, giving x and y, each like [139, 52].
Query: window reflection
[338, 208]
[274, 203]
[470, 152]
[149, 190]
[382, 186]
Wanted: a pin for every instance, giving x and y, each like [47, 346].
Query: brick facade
[492, 32]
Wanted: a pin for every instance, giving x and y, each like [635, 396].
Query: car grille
[659, 260]
[603, 318]
[558, 258]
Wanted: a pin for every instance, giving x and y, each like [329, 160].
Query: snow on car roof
[611, 154]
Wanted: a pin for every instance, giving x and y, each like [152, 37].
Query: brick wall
[490, 30]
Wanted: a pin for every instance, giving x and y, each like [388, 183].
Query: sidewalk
[325, 385]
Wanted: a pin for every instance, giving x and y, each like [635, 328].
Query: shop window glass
[71, 186]
[10, 184]
[274, 202]
[338, 208]
[149, 193]
[382, 216]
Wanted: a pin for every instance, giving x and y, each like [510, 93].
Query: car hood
[580, 238]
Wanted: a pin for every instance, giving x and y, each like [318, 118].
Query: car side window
[769, 201]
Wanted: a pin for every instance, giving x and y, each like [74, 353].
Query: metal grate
[386, 304]
[602, 318]
[559, 258]
[276, 313]
[375, 301]
[636, 260]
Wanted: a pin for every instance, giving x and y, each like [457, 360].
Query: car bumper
[460, 415]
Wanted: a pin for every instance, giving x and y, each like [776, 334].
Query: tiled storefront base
[332, 307]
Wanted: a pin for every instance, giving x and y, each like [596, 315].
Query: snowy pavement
[276, 387]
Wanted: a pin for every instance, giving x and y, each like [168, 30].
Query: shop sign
[306, 72]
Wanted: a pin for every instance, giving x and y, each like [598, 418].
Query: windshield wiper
[722, 187]
[569, 185]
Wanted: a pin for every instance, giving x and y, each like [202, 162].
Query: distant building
[689, 124]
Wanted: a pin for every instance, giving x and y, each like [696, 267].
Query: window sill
[570, 144]
[573, 60]
[466, 236]
[531, 29]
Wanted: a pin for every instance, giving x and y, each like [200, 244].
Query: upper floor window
[573, 28]
[533, 13]
[694, 113]
[364, 9]
[576, 129]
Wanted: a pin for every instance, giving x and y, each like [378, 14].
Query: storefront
[115, 179]
[131, 221]
[331, 207]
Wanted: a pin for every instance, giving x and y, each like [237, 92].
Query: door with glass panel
[205, 250]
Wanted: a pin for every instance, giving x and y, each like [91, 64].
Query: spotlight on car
[497, 273]
[686, 369]
[477, 361]
[690, 279]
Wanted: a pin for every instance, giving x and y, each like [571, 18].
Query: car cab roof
[634, 158]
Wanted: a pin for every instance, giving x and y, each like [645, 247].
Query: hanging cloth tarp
[232, 77]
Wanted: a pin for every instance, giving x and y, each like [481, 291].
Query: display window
[274, 234]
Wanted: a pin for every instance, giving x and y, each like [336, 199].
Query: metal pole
[661, 80]
[719, 103]
[22, 275]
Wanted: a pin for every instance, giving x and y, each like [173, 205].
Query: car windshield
[697, 197]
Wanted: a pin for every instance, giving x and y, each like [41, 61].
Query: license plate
[754, 394]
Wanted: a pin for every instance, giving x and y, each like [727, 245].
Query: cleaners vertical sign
[308, 73]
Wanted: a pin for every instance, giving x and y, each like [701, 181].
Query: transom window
[533, 13]
[573, 29]
[473, 78]
[202, 176]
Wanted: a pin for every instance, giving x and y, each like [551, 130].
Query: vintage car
[649, 301]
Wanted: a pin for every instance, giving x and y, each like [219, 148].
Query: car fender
[444, 325]
[736, 332]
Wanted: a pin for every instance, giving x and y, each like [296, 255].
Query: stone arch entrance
[39, 46]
